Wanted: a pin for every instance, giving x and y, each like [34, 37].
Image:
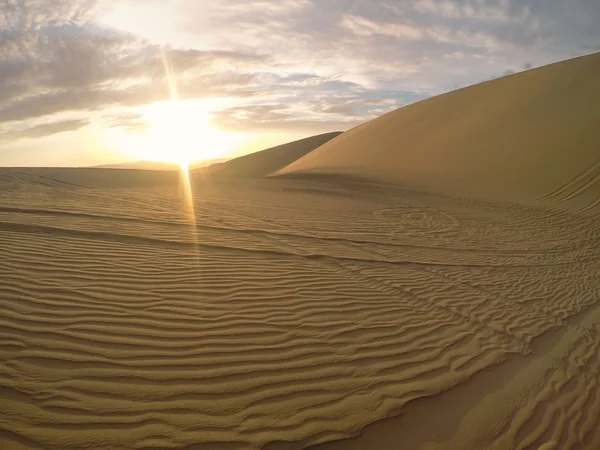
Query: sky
[85, 82]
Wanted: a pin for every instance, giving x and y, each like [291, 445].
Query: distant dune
[153, 165]
[139, 165]
[94, 177]
[533, 135]
[268, 161]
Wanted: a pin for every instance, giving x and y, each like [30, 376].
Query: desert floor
[284, 314]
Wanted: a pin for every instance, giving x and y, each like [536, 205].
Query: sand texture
[292, 313]
[526, 137]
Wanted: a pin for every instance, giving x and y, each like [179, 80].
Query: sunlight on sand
[188, 196]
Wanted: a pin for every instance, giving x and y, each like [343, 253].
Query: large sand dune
[526, 137]
[291, 313]
[266, 162]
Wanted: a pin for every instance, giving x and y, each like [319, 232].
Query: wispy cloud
[42, 130]
[500, 11]
[273, 118]
[289, 64]
[132, 123]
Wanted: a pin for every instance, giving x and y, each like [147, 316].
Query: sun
[176, 132]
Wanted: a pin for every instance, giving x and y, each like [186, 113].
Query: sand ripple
[288, 318]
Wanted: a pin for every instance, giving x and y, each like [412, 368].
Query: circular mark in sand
[414, 220]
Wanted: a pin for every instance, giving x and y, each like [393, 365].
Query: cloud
[45, 129]
[277, 118]
[84, 100]
[490, 11]
[357, 109]
[329, 113]
[436, 34]
[366, 28]
[131, 122]
[329, 63]
[68, 69]
[33, 15]
[371, 42]
[55, 58]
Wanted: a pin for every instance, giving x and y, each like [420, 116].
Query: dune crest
[532, 136]
[265, 162]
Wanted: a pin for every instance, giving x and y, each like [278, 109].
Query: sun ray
[188, 197]
[186, 184]
[169, 75]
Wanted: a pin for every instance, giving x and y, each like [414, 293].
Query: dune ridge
[531, 136]
[266, 162]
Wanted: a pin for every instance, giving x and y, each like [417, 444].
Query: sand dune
[526, 137]
[290, 314]
[140, 165]
[268, 161]
[87, 177]
[152, 165]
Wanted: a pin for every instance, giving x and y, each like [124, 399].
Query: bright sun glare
[178, 131]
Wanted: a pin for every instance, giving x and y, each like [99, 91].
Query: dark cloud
[45, 129]
[84, 100]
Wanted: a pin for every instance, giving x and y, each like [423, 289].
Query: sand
[297, 313]
[266, 162]
[152, 165]
[346, 311]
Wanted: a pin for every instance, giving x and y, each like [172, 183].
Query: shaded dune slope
[271, 160]
[526, 137]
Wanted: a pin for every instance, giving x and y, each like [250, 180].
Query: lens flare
[169, 76]
[186, 185]
[188, 197]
